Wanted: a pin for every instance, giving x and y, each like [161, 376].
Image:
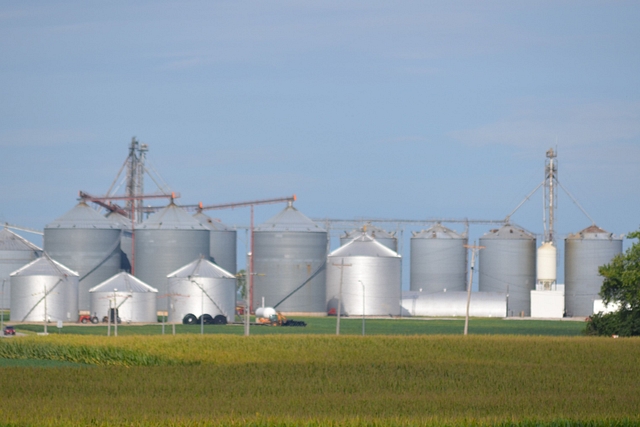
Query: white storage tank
[86, 242]
[222, 243]
[289, 250]
[546, 269]
[507, 264]
[135, 300]
[168, 240]
[438, 260]
[201, 287]
[44, 288]
[371, 278]
[15, 252]
[585, 251]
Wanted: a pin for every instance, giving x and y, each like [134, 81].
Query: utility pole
[362, 306]
[342, 265]
[2, 315]
[45, 309]
[115, 313]
[474, 249]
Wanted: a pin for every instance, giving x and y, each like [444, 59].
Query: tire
[189, 319]
[206, 319]
[84, 320]
[220, 320]
[95, 320]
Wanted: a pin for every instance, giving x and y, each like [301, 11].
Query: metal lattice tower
[135, 178]
[550, 195]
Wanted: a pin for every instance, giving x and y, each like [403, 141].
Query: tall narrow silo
[136, 301]
[166, 241]
[44, 289]
[201, 287]
[507, 264]
[438, 260]
[86, 242]
[584, 252]
[222, 243]
[382, 236]
[126, 241]
[288, 250]
[15, 252]
[371, 276]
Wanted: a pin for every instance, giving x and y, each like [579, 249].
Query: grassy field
[349, 326]
[190, 380]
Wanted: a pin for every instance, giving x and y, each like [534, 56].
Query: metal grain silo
[43, 289]
[15, 252]
[382, 236]
[126, 240]
[222, 243]
[584, 252]
[135, 300]
[166, 241]
[201, 287]
[507, 264]
[369, 267]
[438, 260]
[288, 250]
[86, 242]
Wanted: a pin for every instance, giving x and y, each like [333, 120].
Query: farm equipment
[271, 317]
[86, 318]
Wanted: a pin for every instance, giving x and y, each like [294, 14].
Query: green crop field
[349, 326]
[272, 380]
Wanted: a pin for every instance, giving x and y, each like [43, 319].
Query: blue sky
[363, 109]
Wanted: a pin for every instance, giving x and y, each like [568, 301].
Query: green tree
[621, 285]
[241, 282]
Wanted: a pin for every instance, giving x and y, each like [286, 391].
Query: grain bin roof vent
[210, 223]
[438, 231]
[509, 231]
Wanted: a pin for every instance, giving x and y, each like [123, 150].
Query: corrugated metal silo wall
[582, 257]
[391, 243]
[282, 262]
[11, 261]
[188, 298]
[438, 264]
[140, 307]
[160, 252]
[27, 293]
[126, 244]
[382, 280]
[509, 266]
[223, 249]
[85, 250]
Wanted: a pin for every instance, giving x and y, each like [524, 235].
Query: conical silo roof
[371, 230]
[83, 216]
[10, 241]
[172, 218]
[201, 268]
[210, 223]
[364, 245]
[120, 219]
[123, 282]
[438, 231]
[509, 231]
[44, 266]
[290, 219]
[593, 232]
